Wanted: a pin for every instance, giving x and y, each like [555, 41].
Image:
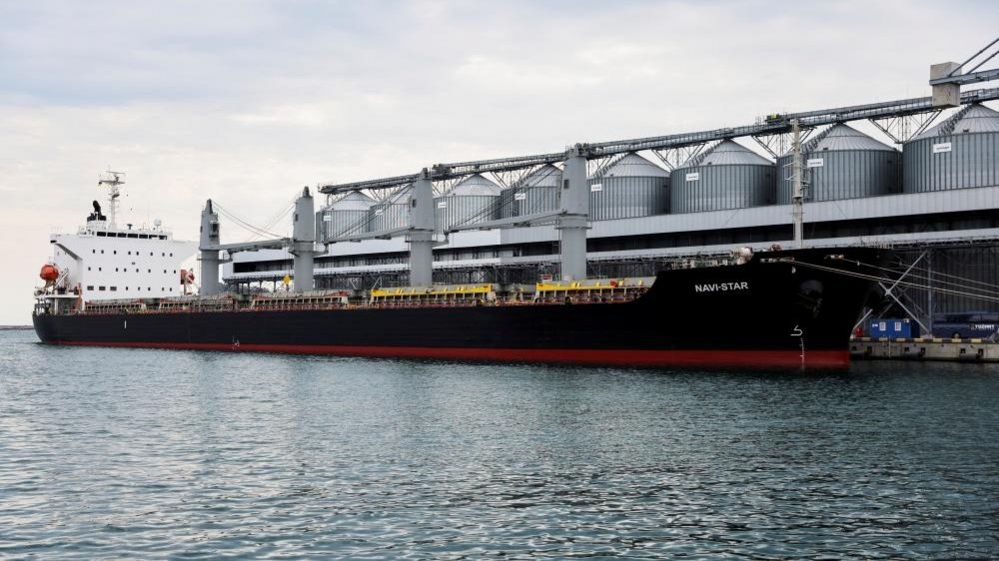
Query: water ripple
[157, 455]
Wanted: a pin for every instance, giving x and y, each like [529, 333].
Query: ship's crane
[301, 245]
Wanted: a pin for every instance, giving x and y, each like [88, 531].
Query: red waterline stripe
[616, 357]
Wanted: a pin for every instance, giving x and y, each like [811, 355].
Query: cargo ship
[117, 286]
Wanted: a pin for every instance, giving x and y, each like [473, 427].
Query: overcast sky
[246, 101]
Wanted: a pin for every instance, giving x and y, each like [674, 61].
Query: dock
[924, 348]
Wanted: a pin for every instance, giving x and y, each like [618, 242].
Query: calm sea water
[170, 454]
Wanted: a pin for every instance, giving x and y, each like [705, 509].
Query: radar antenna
[113, 180]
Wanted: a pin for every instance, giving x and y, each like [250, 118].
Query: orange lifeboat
[49, 273]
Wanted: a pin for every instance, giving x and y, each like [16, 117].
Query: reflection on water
[160, 454]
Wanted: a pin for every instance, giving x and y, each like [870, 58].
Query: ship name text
[721, 286]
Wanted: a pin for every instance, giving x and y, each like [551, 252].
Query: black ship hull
[788, 309]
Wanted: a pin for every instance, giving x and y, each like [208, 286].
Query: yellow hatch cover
[577, 286]
[451, 290]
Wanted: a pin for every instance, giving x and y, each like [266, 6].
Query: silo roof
[727, 153]
[355, 200]
[843, 137]
[973, 118]
[475, 185]
[633, 165]
[544, 176]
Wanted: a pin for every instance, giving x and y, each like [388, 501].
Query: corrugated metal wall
[962, 269]
[521, 201]
[333, 223]
[460, 210]
[843, 174]
[976, 267]
[951, 162]
[389, 215]
[724, 187]
[628, 197]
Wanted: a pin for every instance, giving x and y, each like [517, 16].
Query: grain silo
[537, 192]
[842, 163]
[961, 152]
[474, 199]
[347, 215]
[726, 176]
[391, 213]
[629, 187]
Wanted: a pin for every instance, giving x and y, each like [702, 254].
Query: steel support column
[303, 243]
[209, 248]
[421, 233]
[574, 203]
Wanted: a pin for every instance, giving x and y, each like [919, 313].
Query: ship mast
[798, 195]
[113, 181]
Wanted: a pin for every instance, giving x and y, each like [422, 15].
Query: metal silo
[474, 199]
[961, 152]
[726, 176]
[629, 187]
[391, 213]
[842, 163]
[347, 215]
[535, 193]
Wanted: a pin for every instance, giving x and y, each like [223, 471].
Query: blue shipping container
[893, 329]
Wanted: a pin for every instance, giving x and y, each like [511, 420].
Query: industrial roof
[973, 118]
[544, 176]
[355, 200]
[633, 165]
[843, 137]
[727, 153]
[475, 185]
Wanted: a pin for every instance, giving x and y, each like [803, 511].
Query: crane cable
[244, 224]
[897, 282]
[989, 288]
[275, 219]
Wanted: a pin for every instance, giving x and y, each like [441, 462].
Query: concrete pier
[925, 348]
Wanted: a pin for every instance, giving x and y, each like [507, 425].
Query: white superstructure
[107, 261]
